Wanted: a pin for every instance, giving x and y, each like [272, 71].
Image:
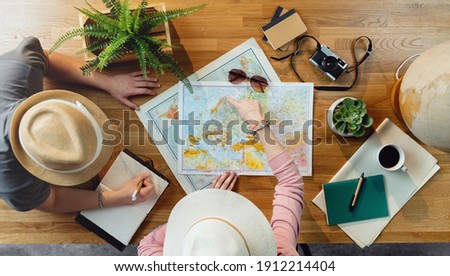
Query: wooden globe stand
[395, 98]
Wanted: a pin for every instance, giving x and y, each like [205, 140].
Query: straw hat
[214, 222]
[57, 136]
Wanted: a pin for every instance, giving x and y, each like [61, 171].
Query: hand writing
[144, 193]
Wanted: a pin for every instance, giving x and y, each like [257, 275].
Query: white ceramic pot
[330, 117]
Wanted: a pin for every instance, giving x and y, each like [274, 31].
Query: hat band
[98, 133]
[226, 222]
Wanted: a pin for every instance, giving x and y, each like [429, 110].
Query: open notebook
[400, 186]
[117, 225]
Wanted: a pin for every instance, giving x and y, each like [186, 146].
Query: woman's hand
[225, 181]
[249, 111]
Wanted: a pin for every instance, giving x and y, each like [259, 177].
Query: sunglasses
[258, 83]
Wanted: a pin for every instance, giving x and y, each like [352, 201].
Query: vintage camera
[328, 62]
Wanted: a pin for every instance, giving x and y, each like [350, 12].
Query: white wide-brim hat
[57, 135]
[214, 222]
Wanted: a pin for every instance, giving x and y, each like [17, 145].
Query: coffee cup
[391, 157]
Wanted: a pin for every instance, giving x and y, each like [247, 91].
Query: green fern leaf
[94, 10]
[89, 67]
[136, 17]
[94, 65]
[94, 46]
[103, 20]
[141, 56]
[124, 17]
[155, 41]
[98, 32]
[155, 18]
[70, 34]
[113, 6]
[110, 3]
[89, 30]
[119, 54]
[106, 56]
[151, 60]
[174, 67]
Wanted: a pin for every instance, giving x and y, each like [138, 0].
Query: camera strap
[318, 46]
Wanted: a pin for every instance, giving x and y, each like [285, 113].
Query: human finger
[141, 177]
[146, 84]
[214, 182]
[220, 179]
[138, 73]
[233, 182]
[147, 188]
[143, 79]
[233, 102]
[224, 181]
[228, 181]
[142, 91]
[128, 103]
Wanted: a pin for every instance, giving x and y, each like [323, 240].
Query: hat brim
[53, 177]
[227, 205]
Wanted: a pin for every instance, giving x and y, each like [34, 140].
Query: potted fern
[124, 31]
[348, 117]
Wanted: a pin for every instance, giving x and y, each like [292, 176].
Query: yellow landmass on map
[194, 152]
[239, 146]
[214, 110]
[252, 162]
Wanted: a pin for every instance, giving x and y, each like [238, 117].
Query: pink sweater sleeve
[288, 203]
[152, 244]
[287, 209]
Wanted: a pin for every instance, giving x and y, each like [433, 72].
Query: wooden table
[398, 30]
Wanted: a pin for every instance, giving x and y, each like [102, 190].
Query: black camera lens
[329, 63]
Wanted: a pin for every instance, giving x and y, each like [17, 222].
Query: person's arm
[288, 202]
[64, 200]
[153, 243]
[120, 86]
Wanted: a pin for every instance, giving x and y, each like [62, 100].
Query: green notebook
[371, 202]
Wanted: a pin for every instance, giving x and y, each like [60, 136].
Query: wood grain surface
[398, 29]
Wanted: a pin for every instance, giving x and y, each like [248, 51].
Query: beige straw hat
[57, 136]
[214, 222]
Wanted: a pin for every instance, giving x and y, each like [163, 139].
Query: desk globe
[424, 97]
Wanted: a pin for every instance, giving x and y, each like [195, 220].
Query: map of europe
[214, 139]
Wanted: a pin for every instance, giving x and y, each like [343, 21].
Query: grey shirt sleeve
[18, 188]
[22, 72]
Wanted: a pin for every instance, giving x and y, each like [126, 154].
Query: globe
[424, 97]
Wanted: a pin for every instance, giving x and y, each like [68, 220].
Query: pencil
[356, 194]
[138, 189]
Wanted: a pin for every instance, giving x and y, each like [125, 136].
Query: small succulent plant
[350, 117]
